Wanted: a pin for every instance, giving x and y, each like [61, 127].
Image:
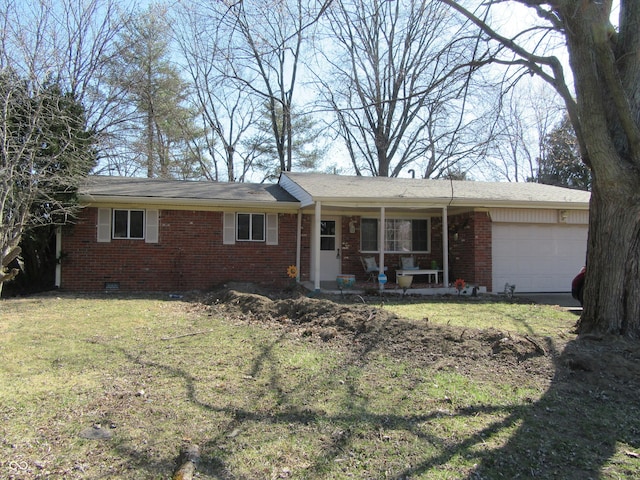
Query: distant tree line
[238, 91]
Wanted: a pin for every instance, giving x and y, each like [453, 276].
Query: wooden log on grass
[187, 461]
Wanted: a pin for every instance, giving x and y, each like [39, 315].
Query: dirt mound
[370, 328]
[364, 329]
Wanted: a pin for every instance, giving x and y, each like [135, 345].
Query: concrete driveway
[561, 299]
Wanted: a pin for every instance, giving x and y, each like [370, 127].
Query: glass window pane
[136, 227]
[120, 221]
[369, 234]
[327, 243]
[389, 243]
[397, 235]
[327, 227]
[403, 235]
[243, 226]
[257, 227]
[420, 235]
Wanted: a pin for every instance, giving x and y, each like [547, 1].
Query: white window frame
[251, 216]
[128, 236]
[229, 230]
[104, 230]
[395, 220]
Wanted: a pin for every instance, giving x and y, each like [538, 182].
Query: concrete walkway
[564, 300]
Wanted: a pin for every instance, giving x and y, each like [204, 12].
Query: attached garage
[537, 250]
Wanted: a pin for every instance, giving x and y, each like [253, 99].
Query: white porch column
[445, 248]
[381, 235]
[316, 256]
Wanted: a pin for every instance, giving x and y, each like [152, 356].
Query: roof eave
[555, 205]
[93, 200]
[440, 202]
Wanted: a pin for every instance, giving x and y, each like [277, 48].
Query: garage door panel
[537, 258]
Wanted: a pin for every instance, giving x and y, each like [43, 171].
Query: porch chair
[371, 268]
[408, 263]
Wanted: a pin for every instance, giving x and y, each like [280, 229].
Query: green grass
[265, 403]
[524, 319]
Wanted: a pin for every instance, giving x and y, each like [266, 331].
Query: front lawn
[311, 389]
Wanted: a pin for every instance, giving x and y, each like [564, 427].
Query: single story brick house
[138, 234]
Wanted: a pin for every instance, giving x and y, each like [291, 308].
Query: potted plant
[404, 281]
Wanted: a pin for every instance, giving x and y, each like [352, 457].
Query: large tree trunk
[605, 114]
[611, 298]
[605, 68]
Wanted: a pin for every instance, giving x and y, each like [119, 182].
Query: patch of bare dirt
[365, 328]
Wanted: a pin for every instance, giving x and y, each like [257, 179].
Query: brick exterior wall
[305, 248]
[351, 254]
[470, 254]
[189, 255]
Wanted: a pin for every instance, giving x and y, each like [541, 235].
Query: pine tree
[560, 163]
[163, 127]
[45, 151]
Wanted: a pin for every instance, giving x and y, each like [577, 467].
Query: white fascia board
[296, 191]
[443, 202]
[187, 203]
[382, 202]
[521, 204]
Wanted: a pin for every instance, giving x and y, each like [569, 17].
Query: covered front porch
[367, 288]
[335, 241]
[341, 228]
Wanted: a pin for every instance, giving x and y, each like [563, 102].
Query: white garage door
[537, 258]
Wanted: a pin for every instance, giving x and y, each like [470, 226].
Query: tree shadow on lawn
[572, 432]
[580, 428]
[584, 425]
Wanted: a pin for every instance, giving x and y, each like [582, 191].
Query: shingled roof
[180, 192]
[304, 189]
[312, 187]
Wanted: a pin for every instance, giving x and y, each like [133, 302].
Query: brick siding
[188, 256]
[470, 253]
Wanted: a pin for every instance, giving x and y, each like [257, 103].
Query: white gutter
[448, 202]
[181, 203]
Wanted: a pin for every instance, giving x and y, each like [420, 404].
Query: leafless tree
[258, 51]
[604, 109]
[227, 107]
[71, 42]
[44, 153]
[52, 55]
[400, 76]
[527, 113]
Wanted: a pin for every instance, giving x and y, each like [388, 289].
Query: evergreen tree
[306, 153]
[163, 128]
[45, 151]
[560, 163]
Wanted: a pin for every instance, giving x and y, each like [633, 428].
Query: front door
[330, 243]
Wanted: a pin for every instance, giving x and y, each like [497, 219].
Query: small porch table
[419, 271]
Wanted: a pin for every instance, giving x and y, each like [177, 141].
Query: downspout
[316, 247]
[58, 278]
[445, 248]
[298, 244]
